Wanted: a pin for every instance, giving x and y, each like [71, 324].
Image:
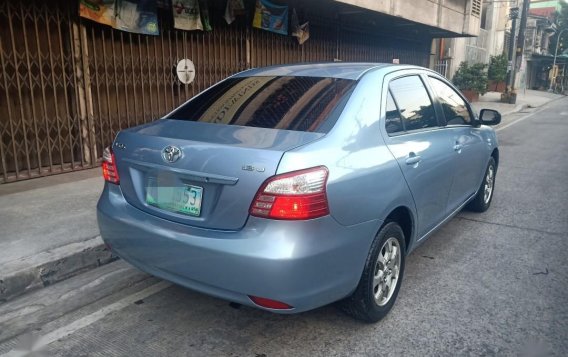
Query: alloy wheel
[387, 269]
[488, 187]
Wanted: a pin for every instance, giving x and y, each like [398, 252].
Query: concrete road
[485, 284]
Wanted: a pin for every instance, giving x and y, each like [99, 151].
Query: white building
[492, 39]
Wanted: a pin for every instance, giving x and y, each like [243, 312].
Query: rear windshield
[291, 103]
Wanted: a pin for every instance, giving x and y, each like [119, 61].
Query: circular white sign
[185, 71]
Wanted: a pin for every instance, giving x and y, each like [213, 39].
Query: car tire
[367, 303]
[482, 200]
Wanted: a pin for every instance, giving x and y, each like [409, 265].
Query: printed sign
[101, 11]
[187, 15]
[137, 16]
[185, 70]
[271, 17]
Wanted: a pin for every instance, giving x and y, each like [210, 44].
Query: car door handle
[413, 159]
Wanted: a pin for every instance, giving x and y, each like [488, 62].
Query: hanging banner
[101, 11]
[232, 7]
[204, 8]
[187, 15]
[271, 17]
[302, 33]
[139, 16]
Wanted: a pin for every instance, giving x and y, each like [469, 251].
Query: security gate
[442, 67]
[68, 85]
[39, 123]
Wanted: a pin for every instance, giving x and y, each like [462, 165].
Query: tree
[561, 21]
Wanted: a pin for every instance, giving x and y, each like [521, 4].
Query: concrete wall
[497, 28]
[450, 15]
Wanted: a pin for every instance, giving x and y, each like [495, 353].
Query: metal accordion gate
[68, 85]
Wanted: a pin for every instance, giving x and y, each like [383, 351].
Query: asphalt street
[485, 284]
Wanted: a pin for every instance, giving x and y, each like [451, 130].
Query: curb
[516, 109]
[520, 107]
[46, 268]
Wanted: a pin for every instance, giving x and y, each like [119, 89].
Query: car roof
[345, 70]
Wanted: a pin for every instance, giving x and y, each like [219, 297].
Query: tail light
[296, 195]
[269, 303]
[110, 173]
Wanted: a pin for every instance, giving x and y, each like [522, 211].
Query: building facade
[537, 52]
[490, 41]
[68, 84]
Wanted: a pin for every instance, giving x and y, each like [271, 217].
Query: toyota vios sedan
[291, 187]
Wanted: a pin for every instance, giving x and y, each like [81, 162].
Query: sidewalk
[525, 99]
[48, 228]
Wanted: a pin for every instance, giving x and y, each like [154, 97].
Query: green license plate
[185, 199]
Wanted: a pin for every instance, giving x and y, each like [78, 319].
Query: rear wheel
[482, 200]
[380, 282]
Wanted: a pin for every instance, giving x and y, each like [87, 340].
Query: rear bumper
[305, 264]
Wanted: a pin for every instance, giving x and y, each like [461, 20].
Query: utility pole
[521, 39]
[523, 27]
[516, 49]
[513, 15]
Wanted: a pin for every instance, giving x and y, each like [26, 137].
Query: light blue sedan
[291, 187]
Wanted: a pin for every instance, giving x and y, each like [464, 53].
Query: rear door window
[414, 103]
[283, 102]
[393, 122]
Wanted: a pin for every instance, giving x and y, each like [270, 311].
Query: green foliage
[471, 77]
[498, 68]
[561, 21]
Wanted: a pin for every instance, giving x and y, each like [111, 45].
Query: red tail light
[270, 304]
[110, 173]
[294, 196]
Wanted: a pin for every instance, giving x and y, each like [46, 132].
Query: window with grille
[476, 8]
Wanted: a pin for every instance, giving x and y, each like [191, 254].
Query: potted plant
[497, 73]
[471, 80]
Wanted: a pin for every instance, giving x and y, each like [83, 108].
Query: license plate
[180, 199]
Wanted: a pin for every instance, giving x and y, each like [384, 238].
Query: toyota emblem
[171, 153]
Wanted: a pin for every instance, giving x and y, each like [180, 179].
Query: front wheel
[482, 200]
[380, 282]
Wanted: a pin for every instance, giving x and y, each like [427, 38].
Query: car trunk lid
[221, 166]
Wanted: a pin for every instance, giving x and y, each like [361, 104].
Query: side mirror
[489, 117]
